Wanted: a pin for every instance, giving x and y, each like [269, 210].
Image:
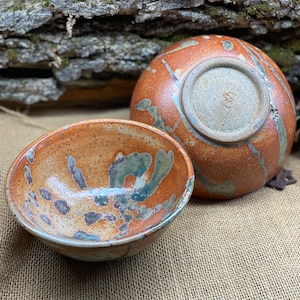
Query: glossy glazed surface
[228, 104]
[100, 189]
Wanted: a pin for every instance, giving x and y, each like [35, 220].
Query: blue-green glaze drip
[168, 205]
[145, 105]
[77, 174]
[162, 166]
[82, 235]
[189, 187]
[144, 213]
[226, 189]
[282, 136]
[282, 140]
[260, 159]
[183, 45]
[135, 164]
[172, 74]
[127, 218]
[124, 199]
[283, 84]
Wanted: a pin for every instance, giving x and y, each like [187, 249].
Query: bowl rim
[69, 241]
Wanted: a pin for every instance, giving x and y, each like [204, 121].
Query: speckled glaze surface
[228, 104]
[100, 189]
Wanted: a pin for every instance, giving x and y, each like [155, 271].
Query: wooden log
[59, 47]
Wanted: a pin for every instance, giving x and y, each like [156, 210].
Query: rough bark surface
[47, 46]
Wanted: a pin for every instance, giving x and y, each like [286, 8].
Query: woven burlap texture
[247, 248]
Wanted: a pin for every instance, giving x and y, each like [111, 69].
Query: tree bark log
[49, 47]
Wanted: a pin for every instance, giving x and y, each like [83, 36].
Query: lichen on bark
[68, 41]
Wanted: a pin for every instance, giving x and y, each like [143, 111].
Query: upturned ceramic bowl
[228, 104]
[100, 189]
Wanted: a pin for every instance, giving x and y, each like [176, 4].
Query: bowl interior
[99, 181]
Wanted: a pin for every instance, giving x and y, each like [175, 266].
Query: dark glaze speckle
[45, 219]
[101, 200]
[34, 199]
[28, 211]
[27, 207]
[227, 45]
[92, 217]
[45, 194]
[127, 218]
[124, 227]
[62, 206]
[30, 155]
[27, 175]
[110, 218]
[132, 207]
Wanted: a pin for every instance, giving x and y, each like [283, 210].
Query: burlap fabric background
[248, 248]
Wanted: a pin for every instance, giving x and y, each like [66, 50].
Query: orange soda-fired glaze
[100, 189]
[228, 104]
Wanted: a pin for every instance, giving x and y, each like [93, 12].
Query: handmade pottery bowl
[228, 104]
[100, 189]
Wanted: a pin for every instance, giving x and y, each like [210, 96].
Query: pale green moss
[284, 54]
[21, 4]
[18, 5]
[34, 38]
[12, 55]
[294, 44]
[214, 12]
[284, 57]
[243, 15]
[260, 10]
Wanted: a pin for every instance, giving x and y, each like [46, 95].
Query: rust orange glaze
[100, 189]
[223, 170]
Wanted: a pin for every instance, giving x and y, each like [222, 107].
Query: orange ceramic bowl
[228, 104]
[100, 189]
